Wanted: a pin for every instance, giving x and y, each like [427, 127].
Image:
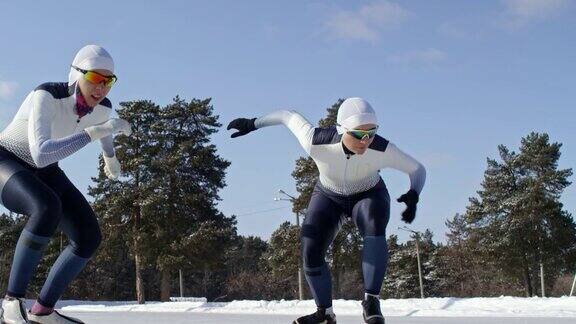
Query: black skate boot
[372, 313]
[320, 317]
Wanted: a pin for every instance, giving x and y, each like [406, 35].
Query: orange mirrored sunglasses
[97, 78]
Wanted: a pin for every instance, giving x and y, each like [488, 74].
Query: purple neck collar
[82, 108]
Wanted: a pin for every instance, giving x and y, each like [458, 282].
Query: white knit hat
[354, 112]
[90, 57]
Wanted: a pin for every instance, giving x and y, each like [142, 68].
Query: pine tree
[11, 225]
[402, 279]
[246, 255]
[283, 256]
[402, 274]
[553, 232]
[458, 260]
[518, 218]
[187, 175]
[432, 276]
[247, 270]
[124, 206]
[165, 203]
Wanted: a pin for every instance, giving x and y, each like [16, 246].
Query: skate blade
[366, 320]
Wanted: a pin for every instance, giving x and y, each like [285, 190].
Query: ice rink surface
[208, 318]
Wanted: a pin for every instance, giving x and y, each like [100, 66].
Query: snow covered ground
[563, 307]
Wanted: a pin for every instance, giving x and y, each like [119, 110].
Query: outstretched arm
[295, 122]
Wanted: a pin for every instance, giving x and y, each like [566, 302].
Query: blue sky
[450, 80]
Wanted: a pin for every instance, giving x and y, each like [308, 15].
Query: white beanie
[90, 57]
[354, 112]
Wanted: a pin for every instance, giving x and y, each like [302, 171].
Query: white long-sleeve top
[46, 128]
[340, 171]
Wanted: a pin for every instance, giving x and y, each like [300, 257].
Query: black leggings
[51, 200]
[370, 211]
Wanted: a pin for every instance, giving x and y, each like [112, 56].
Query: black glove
[410, 199]
[243, 125]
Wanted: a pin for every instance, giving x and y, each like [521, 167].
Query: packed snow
[429, 307]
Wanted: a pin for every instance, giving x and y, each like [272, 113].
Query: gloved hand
[112, 167]
[111, 126]
[410, 199]
[243, 125]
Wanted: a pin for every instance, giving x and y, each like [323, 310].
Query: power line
[262, 211]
